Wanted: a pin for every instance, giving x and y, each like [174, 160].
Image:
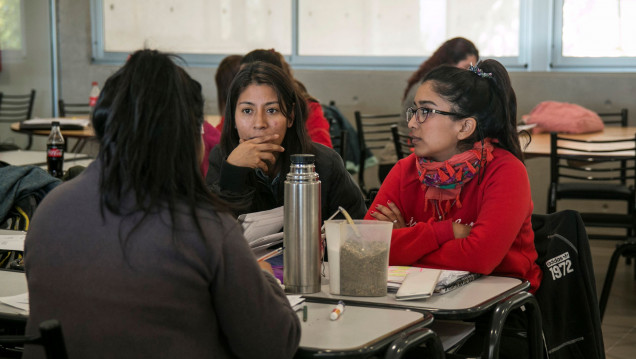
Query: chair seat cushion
[594, 191]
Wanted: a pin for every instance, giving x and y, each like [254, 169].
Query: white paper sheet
[20, 301]
[12, 242]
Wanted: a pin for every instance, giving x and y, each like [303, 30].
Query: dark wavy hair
[228, 68]
[148, 119]
[291, 103]
[451, 52]
[491, 101]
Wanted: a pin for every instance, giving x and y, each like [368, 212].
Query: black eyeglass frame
[415, 112]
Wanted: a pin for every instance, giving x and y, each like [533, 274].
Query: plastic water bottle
[301, 272]
[92, 98]
[55, 151]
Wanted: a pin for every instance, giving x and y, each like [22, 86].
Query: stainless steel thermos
[301, 272]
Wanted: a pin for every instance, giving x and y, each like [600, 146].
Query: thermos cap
[302, 159]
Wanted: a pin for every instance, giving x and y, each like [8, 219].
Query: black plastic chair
[73, 109]
[16, 108]
[596, 170]
[339, 143]
[402, 142]
[626, 248]
[615, 118]
[51, 338]
[413, 339]
[374, 133]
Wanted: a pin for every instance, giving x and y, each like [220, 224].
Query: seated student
[135, 257]
[316, 124]
[462, 200]
[264, 126]
[228, 68]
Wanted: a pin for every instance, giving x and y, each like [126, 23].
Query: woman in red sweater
[462, 200]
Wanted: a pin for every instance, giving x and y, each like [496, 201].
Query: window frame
[14, 56]
[587, 64]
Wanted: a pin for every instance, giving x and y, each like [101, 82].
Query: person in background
[462, 200]
[135, 256]
[264, 126]
[316, 123]
[212, 134]
[458, 51]
[228, 68]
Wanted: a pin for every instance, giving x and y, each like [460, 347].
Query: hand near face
[257, 152]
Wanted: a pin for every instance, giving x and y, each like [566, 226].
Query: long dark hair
[451, 52]
[148, 119]
[292, 106]
[491, 101]
[228, 68]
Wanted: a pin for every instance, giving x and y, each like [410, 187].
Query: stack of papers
[12, 242]
[295, 301]
[447, 281]
[20, 301]
[263, 229]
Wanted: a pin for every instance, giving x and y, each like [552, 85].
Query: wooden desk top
[85, 133]
[540, 144]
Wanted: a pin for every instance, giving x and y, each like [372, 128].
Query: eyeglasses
[421, 114]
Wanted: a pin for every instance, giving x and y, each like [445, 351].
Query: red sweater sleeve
[410, 244]
[317, 125]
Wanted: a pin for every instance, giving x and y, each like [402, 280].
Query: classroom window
[196, 26]
[11, 36]
[406, 27]
[595, 33]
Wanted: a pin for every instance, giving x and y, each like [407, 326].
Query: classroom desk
[360, 331]
[38, 158]
[469, 301]
[81, 135]
[540, 144]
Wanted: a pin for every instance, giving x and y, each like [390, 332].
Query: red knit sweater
[501, 240]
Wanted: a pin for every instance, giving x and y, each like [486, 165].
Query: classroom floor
[619, 325]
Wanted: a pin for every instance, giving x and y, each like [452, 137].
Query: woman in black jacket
[264, 125]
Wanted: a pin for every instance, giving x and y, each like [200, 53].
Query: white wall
[33, 71]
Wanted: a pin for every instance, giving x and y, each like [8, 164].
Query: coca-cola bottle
[55, 151]
[92, 98]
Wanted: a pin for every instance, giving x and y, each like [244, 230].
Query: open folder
[263, 229]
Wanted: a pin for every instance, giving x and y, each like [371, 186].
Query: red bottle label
[92, 101]
[54, 152]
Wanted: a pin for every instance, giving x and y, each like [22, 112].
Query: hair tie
[479, 72]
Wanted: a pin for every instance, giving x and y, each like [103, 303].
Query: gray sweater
[182, 298]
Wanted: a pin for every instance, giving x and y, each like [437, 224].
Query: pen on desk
[304, 313]
[337, 311]
[271, 254]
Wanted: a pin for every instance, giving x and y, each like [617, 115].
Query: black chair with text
[374, 133]
[50, 337]
[16, 108]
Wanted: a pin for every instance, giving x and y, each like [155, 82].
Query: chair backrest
[51, 338]
[339, 143]
[15, 108]
[374, 133]
[615, 118]
[338, 125]
[567, 295]
[402, 142]
[73, 109]
[588, 160]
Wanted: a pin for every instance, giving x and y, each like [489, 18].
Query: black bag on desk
[567, 295]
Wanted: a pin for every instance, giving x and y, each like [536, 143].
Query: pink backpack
[552, 116]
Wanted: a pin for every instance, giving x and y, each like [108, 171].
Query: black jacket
[567, 295]
[248, 193]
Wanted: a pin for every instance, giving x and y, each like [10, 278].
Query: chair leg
[621, 248]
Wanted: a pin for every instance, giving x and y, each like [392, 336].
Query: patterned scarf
[443, 181]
